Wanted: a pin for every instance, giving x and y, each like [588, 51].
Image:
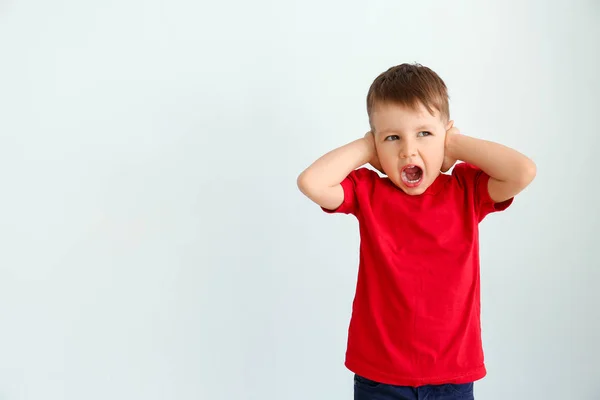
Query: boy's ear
[449, 125]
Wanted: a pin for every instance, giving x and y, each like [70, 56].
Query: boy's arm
[321, 181]
[510, 171]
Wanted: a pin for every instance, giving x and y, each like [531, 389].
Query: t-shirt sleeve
[355, 182]
[475, 183]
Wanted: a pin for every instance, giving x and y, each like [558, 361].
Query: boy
[415, 328]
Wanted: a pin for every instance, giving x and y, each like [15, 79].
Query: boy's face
[410, 144]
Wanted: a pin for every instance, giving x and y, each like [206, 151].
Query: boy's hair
[408, 85]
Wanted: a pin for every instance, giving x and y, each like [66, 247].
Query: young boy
[415, 330]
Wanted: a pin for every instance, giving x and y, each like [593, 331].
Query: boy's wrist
[369, 142]
[453, 144]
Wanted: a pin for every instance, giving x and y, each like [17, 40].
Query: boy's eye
[423, 133]
[392, 137]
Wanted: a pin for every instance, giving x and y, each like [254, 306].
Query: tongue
[413, 173]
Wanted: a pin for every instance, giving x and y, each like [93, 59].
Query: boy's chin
[413, 191]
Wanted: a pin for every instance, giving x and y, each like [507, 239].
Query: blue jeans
[366, 389]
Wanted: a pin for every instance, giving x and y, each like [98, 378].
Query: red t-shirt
[416, 312]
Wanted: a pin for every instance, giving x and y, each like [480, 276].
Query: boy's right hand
[374, 160]
[322, 180]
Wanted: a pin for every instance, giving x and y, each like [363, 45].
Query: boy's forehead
[398, 117]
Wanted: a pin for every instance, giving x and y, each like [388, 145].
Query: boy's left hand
[449, 161]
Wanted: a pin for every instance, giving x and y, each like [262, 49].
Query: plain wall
[154, 242]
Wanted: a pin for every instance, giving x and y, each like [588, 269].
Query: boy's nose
[408, 152]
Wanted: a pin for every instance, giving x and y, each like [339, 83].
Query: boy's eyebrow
[418, 129]
[423, 127]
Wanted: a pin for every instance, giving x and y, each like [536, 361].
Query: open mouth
[412, 175]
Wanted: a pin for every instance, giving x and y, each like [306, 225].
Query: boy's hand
[322, 180]
[449, 160]
[510, 171]
[374, 160]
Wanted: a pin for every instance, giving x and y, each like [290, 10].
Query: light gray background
[154, 243]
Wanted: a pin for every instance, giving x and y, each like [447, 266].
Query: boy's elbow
[529, 173]
[303, 183]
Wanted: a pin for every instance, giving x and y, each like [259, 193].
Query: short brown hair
[408, 85]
